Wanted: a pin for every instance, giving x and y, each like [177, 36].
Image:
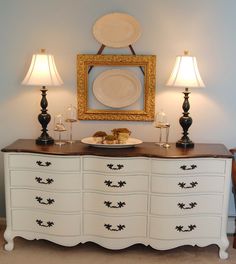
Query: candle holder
[59, 127]
[166, 144]
[160, 123]
[71, 117]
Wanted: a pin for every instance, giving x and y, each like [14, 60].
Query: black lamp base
[184, 144]
[44, 118]
[185, 121]
[44, 140]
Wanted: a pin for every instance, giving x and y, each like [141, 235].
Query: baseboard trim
[2, 222]
[231, 225]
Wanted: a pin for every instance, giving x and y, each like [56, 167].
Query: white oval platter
[117, 30]
[131, 142]
[117, 88]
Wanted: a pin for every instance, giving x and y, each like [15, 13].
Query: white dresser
[118, 197]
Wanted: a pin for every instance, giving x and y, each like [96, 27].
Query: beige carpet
[44, 252]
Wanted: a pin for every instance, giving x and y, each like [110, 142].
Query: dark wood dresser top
[146, 149]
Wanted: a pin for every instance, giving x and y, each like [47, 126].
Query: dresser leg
[9, 246]
[223, 254]
[223, 247]
[9, 239]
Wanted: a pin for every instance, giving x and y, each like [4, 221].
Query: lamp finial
[186, 52]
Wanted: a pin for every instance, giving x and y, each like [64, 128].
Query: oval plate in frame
[117, 88]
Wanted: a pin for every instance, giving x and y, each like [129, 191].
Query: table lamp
[43, 72]
[185, 74]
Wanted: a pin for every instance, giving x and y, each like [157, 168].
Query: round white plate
[117, 88]
[131, 142]
[117, 30]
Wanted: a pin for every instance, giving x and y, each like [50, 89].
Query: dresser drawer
[47, 223]
[115, 204]
[116, 165]
[115, 227]
[188, 166]
[116, 184]
[44, 162]
[67, 202]
[45, 180]
[187, 184]
[185, 228]
[186, 205]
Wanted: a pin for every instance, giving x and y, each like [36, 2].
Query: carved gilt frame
[148, 64]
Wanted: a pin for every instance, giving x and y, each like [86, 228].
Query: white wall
[63, 27]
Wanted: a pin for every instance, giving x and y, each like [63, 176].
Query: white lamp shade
[42, 71]
[185, 73]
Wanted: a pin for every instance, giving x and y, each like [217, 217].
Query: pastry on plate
[110, 139]
[99, 137]
[121, 134]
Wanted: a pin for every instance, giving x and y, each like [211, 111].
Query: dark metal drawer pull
[183, 185]
[45, 164]
[40, 200]
[118, 166]
[118, 185]
[190, 205]
[192, 167]
[119, 227]
[181, 228]
[40, 223]
[39, 180]
[119, 204]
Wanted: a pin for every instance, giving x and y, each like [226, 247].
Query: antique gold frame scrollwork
[148, 64]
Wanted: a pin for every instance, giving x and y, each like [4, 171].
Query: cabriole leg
[223, 247]
[9, 239]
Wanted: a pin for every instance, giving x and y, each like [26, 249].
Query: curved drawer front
[115, 227]
[185, 205]
[44, 162]
[118, 183]
[67, 202]
[40, 222]
[115, 204]
[188, 166]
[187, 184]
[116, 165]
[184, 228]
[46, 181]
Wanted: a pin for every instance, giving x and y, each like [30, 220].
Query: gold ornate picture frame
[85, 62]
